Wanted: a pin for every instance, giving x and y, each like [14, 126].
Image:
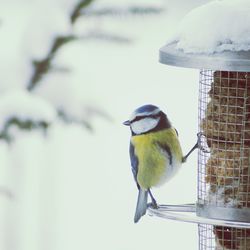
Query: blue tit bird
[155, 153]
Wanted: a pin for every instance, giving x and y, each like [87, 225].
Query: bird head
[147, 118]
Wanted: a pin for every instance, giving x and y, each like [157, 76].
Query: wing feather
[167, 150]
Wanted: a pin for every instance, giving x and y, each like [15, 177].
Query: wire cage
[224, 173]
[223, 238]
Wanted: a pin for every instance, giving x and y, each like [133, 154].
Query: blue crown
[148, 108]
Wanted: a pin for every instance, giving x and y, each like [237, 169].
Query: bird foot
[199, 143]
[153, 205]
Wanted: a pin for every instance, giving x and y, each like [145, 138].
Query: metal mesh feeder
[222, 210]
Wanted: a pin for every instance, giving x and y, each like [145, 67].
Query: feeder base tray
[187, 213]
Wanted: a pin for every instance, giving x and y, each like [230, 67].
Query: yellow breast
[153, 161]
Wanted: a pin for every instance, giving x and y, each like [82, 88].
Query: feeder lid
[227, 60]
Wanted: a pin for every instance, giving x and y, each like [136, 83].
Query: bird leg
[184, 158]
[197, 145]
[153, 203]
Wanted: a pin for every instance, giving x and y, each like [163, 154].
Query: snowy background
[70, 75]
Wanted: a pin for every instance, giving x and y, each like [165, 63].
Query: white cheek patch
[144, 125]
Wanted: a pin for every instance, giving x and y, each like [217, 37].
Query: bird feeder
[222, 210]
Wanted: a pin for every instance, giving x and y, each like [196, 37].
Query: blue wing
[134, 162]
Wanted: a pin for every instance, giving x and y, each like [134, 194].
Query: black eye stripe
[138, 118]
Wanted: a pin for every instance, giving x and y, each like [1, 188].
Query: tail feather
[141, 206]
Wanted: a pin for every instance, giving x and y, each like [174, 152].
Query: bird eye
[138, 118]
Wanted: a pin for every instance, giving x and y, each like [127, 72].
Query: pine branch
[118, 11]
[77, 11]
[106, 36]
[42, 67]
[69, 119]
[23, 125]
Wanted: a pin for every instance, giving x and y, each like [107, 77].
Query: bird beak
[126, 123]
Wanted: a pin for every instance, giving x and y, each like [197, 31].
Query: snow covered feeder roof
[213, 36]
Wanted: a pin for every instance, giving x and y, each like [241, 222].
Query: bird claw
[153, 205]
[199, 143]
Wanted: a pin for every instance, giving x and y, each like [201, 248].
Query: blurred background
[71, 72]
